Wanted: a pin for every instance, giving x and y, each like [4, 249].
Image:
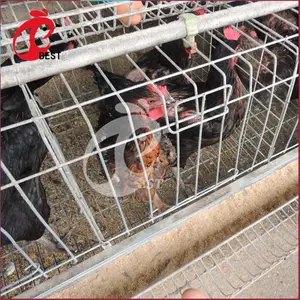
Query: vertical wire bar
[269, 107]
[33, 264]
[291, 136]
[16, 20]
[57, 155]
[251, 97]
[91, 130]
[197, 107]
[286, 104]
[136, 144]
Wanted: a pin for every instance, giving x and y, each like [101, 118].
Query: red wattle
[156, 113]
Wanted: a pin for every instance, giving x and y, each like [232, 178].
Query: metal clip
[192, 30]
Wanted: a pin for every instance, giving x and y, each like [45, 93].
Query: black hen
[285, 23]
[156, 65]
[286, 64]
[286, 60]
[152, 103]
[23, 152]
[145, 100]
[212, 129]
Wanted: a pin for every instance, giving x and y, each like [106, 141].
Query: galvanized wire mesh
[234, 265]
[90, 220]
[86, 18]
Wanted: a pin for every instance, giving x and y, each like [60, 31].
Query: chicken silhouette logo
[121, 172]
[35, 51]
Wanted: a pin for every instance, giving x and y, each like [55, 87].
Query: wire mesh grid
[234, 265]
[85, 220]
[86, 18]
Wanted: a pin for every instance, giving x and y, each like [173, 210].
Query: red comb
[162, 88]
[199, 12]
[231, 34]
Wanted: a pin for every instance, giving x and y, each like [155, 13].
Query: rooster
[23, 152]
[158, 155]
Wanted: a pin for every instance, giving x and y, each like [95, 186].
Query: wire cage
[65, 110]
[258, 248]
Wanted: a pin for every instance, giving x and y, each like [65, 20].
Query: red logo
[39, 18]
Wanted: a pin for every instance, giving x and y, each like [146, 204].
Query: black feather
[23, 152]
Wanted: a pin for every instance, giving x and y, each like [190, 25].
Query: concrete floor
[259, 262]
[281, 282]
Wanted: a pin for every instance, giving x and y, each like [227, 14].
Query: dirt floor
[130, 274]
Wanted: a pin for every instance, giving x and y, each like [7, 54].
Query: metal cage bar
[26, 72]
[265, 253]
[268, 129]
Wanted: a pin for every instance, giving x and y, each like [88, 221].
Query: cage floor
[232, 266]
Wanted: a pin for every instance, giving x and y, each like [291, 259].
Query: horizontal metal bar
[121, 45]
[227, 242]
[89, 267]
[85, 156]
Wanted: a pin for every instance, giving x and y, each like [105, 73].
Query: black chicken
[189, 138]
[23, 152]
[279, 22]
[211, 130]
[285, 23]
[286, 60]
[156, 65]
[286, 63]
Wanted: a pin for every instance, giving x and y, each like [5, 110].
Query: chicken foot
[50, 244]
